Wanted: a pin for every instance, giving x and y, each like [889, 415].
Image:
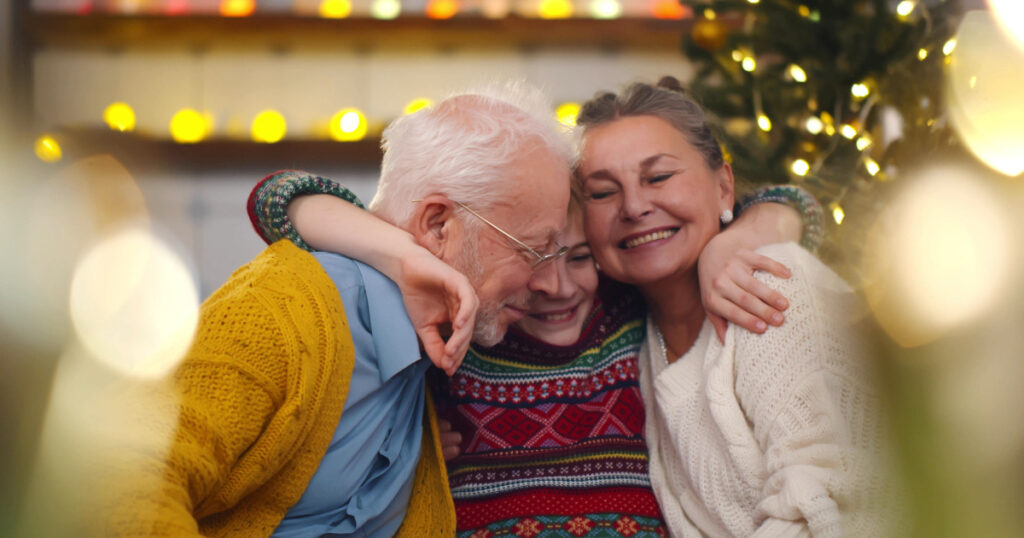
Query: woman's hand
[440, 301]
[450, 439]
[726, 268]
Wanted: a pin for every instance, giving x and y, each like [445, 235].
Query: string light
[119, 117]
[830, 128]
[442, 9]
[237, 8]
[554, 9]
[764, 123]
[871, 166]
[188, 126]
[385, 9]
[753, 1]
[949, 47]
[922, 54]
[348, 125]
[268, 126]
[710, 14]
[749, 64]
[47, 149]
[566, 113]
[605, 9]
[797, 73]
[905, 8]
[668, 9]
[804, 11]
[335, 9]
[416, 105]
[814, 125]
[838, 214]
[860, 90]
[863, 143]
[848, 131]
[800, 167]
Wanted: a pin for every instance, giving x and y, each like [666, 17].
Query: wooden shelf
[155, 32]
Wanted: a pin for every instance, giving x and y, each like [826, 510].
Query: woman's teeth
[559, 316]
[647, 238]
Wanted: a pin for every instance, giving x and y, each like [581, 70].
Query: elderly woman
[773, 434]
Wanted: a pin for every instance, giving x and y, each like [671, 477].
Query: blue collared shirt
[363, 483]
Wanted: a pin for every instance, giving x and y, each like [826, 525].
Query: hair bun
[669, 82]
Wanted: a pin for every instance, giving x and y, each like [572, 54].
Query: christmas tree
[837, 96]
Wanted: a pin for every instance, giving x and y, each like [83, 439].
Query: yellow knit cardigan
[250, 413]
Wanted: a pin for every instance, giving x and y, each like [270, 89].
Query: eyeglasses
[542, 259]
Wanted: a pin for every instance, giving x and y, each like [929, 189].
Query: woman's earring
[726, 216]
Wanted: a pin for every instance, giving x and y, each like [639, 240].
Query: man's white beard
[486, 330]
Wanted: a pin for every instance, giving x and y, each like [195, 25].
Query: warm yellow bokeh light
[905, 7]
[838, 214]
[47, 149]
[922, 54]
[348, 125]
[941, 255]
[566, 113]
[119, 117]
[605, 9]
[335, 9]
[134, 304]
[749, 64]
[848, 131]
[983, 93]
[268, 126]
[669, 10]
[416, 105]
[814, 125]
[949, 47]
[710, 14]
[864, 142]
[797, 73]
[871, 166]
[860, 90]
[801, 167]
[385, 9]
[554, 9]
[764, 123]
[188, 126]
[1010, 16]
[442, 9]
[754, 1]
[237, 8]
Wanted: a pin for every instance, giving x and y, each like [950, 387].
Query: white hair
[465, 148]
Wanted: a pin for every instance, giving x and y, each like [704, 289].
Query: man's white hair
[465, 148]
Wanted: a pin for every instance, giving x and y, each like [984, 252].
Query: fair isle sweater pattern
[552, 437]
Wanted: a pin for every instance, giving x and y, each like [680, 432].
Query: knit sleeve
[806, 390]
[268, 202]
[811, 213]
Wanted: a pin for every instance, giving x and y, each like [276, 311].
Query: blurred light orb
[348, 125]
[848, 131]
[335, 9]
[904, 8]
[566, 113]
[416, 105]
[764, 123]
[947, 243]
[119, 117]
[669, 9]
[871, 166]
[442, 9]
[134, 304]
[749, 64]
[269, 126]
[860, 90]
[983, 83]
[237, 8]
[605, 9]
[949, 46]
[385, 9]
[800, 167]
[838, 214]
[797, 73]
[1010, 16]
[814, 125]
[47, 149]
[863, 142]
[554, 9]
[922, 54]
[188, 126]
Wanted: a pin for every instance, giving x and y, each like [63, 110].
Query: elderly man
[302, 408]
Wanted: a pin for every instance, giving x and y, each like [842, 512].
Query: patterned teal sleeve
[811, 212]
[268, 202]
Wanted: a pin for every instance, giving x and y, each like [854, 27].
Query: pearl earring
[726, 216]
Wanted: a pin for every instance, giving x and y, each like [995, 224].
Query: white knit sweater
[770, 435]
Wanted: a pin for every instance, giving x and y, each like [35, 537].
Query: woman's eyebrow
[649, 161]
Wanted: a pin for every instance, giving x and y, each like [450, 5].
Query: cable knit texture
[250, 413]
[777, 434]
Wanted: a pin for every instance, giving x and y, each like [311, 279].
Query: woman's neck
[677, 311]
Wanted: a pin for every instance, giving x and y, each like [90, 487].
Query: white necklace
[661, 343]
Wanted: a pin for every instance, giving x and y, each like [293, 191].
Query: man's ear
[433, 223]
[726, 185]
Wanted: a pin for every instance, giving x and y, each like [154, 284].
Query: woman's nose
[635, 204]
